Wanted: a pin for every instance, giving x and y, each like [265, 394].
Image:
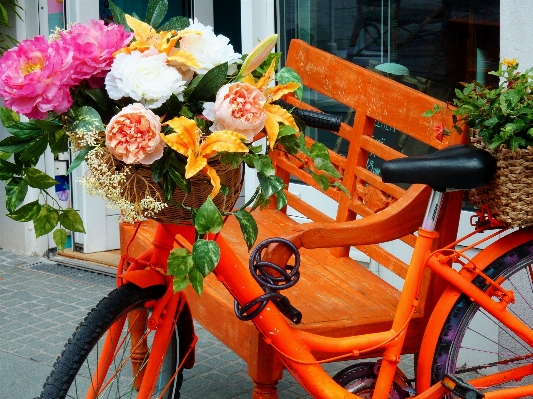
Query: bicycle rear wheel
[75, 369]
[473, 344]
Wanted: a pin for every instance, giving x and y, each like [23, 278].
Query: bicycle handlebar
[320, 120]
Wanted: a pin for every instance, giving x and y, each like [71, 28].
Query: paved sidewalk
[42, 302]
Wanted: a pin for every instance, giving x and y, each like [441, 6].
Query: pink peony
[239, 107]
[94, 44]
[34, 77]
[132, 135]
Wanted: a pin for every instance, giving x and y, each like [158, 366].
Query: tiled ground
[42, 302]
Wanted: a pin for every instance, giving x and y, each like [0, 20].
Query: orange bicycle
[128, 346]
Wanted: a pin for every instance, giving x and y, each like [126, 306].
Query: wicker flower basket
[509, 195]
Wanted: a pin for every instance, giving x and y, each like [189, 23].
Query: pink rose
[94, 44]
[239, 107]
[132, 135]
[34, 77]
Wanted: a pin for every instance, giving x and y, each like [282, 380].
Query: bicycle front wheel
[75, 373]
[473, 344]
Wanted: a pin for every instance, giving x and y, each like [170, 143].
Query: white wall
[516, 33]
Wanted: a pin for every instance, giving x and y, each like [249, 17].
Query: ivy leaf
[156, 11]
[179, 262]
[208, 87]
[60, 238]
[281, 200]
[8, 169]
[319, 150]
[326, 166]
[16, 191]
[46, 221]
[205, 256]
[35, 149]
[197, 281]
[303, 145]
[208, 218]
[80, 156]
[263, 164]
[26, 212]
[322, 180]
[290, 143]
[180, 180]
[70, 219]
[8, 116]
[58, 141]
[38, 179]
[287, 75]
[87, 119]
[232, 158]
[342, 188]
[48, 126]
[248, 227]
[175, 23]
[269, 184]
[180, 283]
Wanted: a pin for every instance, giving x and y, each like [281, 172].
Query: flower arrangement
[501, 115]
[132, 97]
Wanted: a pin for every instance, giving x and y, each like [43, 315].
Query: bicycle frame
[295, 347]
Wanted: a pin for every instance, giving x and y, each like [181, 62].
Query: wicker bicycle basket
[509, 195]
[200, 189]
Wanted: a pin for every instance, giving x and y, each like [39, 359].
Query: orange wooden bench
[337, 295]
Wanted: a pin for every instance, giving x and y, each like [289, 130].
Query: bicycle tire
[465, 341]
[69, 377]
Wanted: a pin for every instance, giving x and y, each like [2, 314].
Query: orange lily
[275, 113]
[187, 141]
[164, 42]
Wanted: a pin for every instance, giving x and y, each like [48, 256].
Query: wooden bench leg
[265, 369]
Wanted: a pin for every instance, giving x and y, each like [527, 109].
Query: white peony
[144, 77]
[209, 49]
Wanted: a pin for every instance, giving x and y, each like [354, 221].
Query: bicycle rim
[473, 344]
[78, 371]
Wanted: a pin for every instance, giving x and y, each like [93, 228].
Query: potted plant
[164, 116]
[500, 120]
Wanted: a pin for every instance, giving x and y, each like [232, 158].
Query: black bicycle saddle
[459, 166]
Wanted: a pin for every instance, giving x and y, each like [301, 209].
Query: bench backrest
[375, 100]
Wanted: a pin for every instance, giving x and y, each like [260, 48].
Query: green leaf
[179, 262]
[8, 169]
[14, 145]
[287, 75]
[205, 256]
[269, 184]
[119, 16]
[175, 23]
[169, 186]
[58, 141]
[319, 150]
[48, 126]
[326, 166]
[87, 119]
[8, 117]
[71, 220]
[156, 11]
[303, 145]
[101, 98]
[490, 122]
[180, 283]
[248, 227]
[26, 212]
[160, 166]
[183, 183]
[428, 113]
[232, 158]
[197, 281]
[213, 80]
[80, 156]
[46, 221]
[342, 188]
[5, 155]
[16, 190]
[290, 143]
[35, 149]
[281, 200]
[38, 179]
[60, 238]
[322, 180]
[208, 219]
[24, 130]
[263, 164]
